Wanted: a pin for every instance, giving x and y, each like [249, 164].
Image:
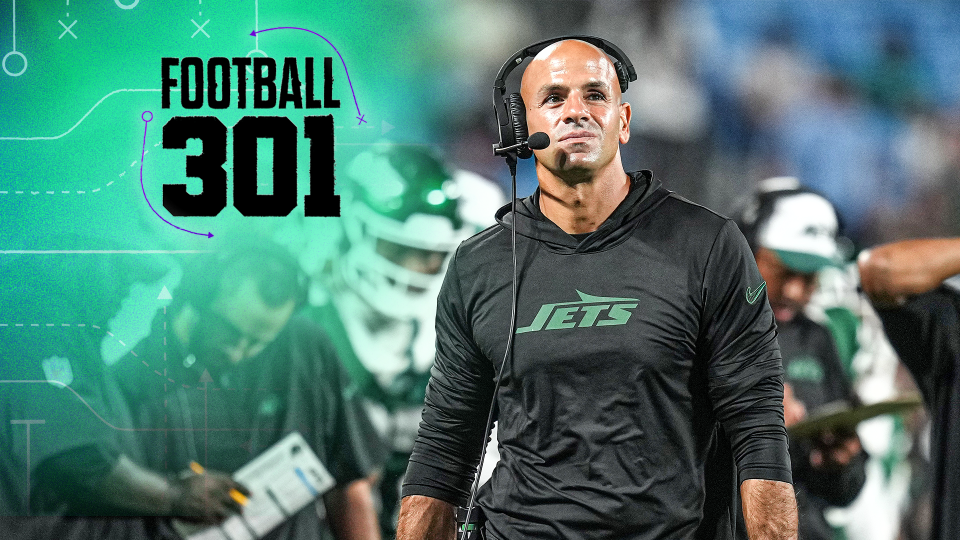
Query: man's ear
[625, 115]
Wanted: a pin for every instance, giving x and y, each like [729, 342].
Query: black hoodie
[635, 347]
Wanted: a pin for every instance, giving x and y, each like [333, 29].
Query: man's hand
[351, 510]
[793, 409]
[892, 272]
[426, 518]
[205, 498]
[769, 509]
[834, 450]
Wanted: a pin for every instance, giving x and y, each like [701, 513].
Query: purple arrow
[359, 116]
[146, 122]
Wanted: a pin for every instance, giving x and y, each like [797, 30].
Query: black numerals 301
[208, 166]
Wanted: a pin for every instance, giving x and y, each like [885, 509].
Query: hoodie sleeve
[744, 367]
[923, 332]
[448, 446]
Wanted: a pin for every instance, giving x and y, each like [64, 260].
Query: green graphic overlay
[71, 127]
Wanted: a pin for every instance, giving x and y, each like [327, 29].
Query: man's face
[238, 325]
[424, 261]
[789, 291]
[571, 93]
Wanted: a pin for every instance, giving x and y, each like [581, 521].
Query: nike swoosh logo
[752, 295]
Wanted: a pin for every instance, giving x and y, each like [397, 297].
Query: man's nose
[797, 288]
[425, 264]
[575, 108]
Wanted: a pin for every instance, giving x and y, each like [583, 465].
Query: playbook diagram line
[147, 116]
[84, 117]
[14, 52]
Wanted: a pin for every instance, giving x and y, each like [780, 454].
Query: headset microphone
[537, 141]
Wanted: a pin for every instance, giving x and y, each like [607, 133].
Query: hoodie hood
[645, 194]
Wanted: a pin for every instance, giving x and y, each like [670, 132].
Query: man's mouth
[784, 312]
[578, 136]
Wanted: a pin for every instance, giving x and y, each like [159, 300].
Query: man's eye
[596, 96]
[552, 98]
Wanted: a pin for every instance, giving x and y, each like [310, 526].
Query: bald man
[645, 363]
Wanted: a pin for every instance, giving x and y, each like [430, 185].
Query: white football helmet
[402, 221]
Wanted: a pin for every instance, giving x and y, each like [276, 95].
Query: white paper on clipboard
[282, 480]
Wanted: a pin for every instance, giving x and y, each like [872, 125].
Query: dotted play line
[109, 333]
[162, 375]
[110, 183]
[62, 325]
[51, 324]
[166, 380]
[65, 192]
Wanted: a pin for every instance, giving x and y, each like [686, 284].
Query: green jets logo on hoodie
[589, 311]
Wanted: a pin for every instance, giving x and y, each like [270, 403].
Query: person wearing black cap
[910, 285]
[793, 232]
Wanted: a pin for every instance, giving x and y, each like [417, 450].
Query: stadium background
[858, 98]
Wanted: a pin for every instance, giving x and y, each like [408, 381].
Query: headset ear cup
[622, 76]
[518, 120]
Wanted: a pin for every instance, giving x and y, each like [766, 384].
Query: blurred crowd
[859, 99]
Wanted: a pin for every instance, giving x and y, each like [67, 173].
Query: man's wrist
[769, 509]
[171, 495]
[426, 518]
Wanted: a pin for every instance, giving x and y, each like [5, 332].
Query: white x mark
[66, 29]
[200, 28]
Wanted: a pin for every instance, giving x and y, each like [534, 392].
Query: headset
[753, 213]
[513, 123]
[202, 283]
[513, 145]
[203, 277]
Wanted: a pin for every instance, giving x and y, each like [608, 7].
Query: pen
[234, 494]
